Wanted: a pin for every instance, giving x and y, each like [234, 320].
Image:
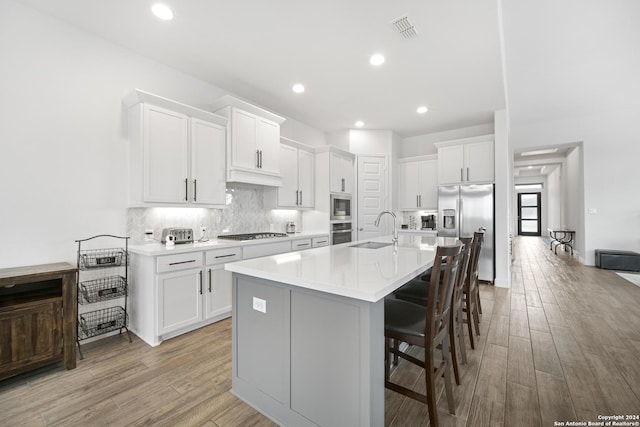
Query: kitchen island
[308, 329]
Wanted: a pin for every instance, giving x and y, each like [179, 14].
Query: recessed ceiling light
[376, 59]
[422, 109]
[162, 11]
[359, 123]
[298, 88]
[529, 167]
[536, 152]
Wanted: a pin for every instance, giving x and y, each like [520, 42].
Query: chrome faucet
[395, 227]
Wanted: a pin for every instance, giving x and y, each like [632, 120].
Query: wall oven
[341, 232]
[340, 207]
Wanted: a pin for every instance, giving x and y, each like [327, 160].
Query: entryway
[529, 214]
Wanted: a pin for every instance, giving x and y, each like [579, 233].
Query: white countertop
[418, 231]
[360, 273]
[157, 248]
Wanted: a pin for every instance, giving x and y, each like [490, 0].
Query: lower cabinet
[178, 293]
[181, 301]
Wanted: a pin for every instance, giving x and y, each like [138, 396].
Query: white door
[166, 147]
[268, 142]
[306, 178]
[218, 291]
[288, 193]
[244, 139]
[372, 195]
[450, 164]
[479, 162]
[207, 163]
[180, 296]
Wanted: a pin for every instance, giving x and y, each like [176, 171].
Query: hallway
[562, 344]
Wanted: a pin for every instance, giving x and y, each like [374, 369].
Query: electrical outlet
[260, 305]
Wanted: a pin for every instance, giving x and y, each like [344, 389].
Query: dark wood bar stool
[426, 327]
[471, 306]
[416, 291]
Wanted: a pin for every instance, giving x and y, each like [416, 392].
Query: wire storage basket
[100, 258]
[103, 289]
[94, 323]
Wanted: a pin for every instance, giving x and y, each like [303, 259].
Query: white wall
[503, 191]
[421, 145]
[63, 142]
[610, 152]
[303, 133]
[573, 204]
[554, 193]
[339, 139]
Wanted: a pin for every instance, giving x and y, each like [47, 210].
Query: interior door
[372, 196]
[529, 209]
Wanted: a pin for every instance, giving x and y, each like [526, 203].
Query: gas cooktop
[251, 236]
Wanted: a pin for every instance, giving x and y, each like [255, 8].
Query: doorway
[372, 195]
[529, 214]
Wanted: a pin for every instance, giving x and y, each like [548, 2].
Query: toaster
[181, 235]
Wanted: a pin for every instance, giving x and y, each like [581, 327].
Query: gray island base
[308, 329]
[307, 358]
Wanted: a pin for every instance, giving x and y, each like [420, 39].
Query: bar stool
[471, 304]
[416, 291]
[426, 327]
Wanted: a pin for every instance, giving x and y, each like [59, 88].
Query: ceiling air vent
[404, 27]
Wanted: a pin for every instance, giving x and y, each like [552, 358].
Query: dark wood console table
[37, 317]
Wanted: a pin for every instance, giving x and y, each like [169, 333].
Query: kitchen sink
[371, 245]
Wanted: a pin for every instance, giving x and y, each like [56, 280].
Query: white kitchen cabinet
[217, 292]
[207, 163]
[320, 241]
[253, 140]
[301, 244]
[176, 153]
[180, 299]
[342, 173]
[418, 183]
[466, 161]
[298, 178]
[265, 249]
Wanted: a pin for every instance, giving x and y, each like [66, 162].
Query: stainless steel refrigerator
[463, 209]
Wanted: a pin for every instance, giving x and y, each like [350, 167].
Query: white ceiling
[259, 49]
[562, 58]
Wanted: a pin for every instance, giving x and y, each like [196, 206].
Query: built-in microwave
[340, 207]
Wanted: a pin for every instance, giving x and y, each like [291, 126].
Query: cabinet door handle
[461, 174]
[300, 197]
[186, 189]
[200, 273]
[209, 280]
[225, 256]
[195, 190]
[467, 174]
[417, 201]
[258, 159]
[182, 262]
[297, 197]
[342, 181]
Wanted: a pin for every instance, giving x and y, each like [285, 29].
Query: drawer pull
[182, 262]
[302, 244]
[225, 256]
[321, 241]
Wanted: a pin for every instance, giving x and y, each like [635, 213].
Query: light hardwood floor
[562, 344]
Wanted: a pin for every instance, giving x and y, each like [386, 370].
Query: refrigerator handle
[460, 216]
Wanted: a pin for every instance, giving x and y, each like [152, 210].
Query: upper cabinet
[253, 141]
[469, 160]
[298, 177]
[418, 183]
[341, 172]
[177, 153]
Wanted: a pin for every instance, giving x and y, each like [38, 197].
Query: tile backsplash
[245, 213]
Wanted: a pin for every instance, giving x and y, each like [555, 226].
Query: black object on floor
[617, 260]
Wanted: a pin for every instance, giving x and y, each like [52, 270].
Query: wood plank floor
[562, 344]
